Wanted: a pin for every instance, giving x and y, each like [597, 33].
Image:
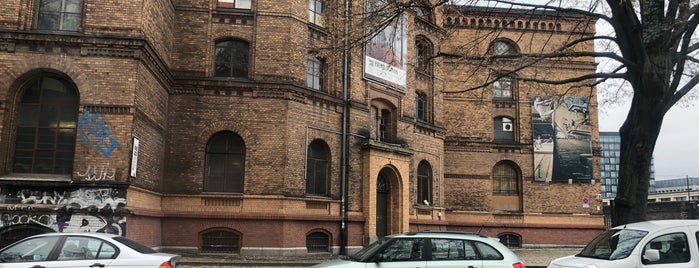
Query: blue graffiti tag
[95, 133]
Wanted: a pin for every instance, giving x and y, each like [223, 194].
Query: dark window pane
[49, 21]
[32, 94]
[25, 138]
[231, 59]
[71, 22]
[50, 5]
[23, 161]
[28, 115]
[66, 140]
[46, 138]
[73, 6]
[43, 162]
[68, 116]
[48, 116]
[64, 162]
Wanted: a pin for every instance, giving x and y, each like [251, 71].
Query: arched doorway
[388, 205]
[15, 233]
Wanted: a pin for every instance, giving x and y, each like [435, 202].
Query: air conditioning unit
[507, 127]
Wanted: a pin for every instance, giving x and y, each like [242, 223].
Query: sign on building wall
[134, 158]
[561, 130]
[385, 54]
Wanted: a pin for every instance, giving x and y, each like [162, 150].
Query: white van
[657, 244]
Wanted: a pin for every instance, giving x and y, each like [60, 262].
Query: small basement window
[220, 241]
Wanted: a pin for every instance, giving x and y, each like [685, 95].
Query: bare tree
[656, 57]
[654, 52]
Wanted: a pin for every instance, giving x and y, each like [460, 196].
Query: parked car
[82, 250]
[664, 243]
[432, 249]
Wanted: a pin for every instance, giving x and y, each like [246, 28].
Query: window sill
[35, 177]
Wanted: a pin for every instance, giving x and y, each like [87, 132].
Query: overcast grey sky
[676, 150]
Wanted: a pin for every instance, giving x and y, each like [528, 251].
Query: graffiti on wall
[97, 173]
[94, 132]
[76, 210]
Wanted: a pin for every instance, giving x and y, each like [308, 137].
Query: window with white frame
[502, 88]
[239, 4]
[316, 12]
[314, 73]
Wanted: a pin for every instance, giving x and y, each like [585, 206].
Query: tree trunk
[638, 137]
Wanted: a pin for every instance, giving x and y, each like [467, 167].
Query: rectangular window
[315, 12]
[61, 15]
[314, 73]
[240, 4]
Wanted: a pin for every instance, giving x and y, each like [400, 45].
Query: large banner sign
[386, 52]
[561, 137]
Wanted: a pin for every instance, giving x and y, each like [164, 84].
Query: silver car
[432, 249]
[82, 250]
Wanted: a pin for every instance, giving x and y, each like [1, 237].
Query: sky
[676, 150]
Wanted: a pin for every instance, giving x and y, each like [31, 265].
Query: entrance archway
[387, 202]
[15, 233]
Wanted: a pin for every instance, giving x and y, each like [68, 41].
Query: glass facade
[609, 164]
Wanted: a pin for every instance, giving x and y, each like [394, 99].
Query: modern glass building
[609, 165]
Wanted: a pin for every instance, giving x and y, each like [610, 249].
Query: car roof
[101, 235]
[657, 224]
[442, 234]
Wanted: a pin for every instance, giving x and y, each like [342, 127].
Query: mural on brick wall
[94, 132]
[561, 130]
[64, 209]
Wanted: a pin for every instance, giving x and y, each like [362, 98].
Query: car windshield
[368, 250]
[613, 244]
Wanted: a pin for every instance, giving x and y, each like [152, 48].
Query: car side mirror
[651, 255]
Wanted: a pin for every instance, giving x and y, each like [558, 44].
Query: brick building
[234, 126]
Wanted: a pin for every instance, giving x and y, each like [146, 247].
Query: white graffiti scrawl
[103, 198]
[95, 173]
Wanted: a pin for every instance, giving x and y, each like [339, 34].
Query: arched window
[62, 15]
[46, 127]
[316, 12]
[511, 240]
[225, 163]
[502, 47]
[424, 183]
[505, 179]
[317, 168]
[504, 129]
[232, 59]
[317, 242]
[219, 241]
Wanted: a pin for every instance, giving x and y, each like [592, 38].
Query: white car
[664, 243]
[82, 250]
[432, 249]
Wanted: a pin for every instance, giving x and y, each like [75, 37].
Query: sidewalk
[532, 257]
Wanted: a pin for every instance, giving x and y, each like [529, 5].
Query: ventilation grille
[221, 202]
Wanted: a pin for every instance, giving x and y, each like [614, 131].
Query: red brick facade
[145, 70]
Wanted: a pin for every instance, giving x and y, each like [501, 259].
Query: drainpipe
[345, 115]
